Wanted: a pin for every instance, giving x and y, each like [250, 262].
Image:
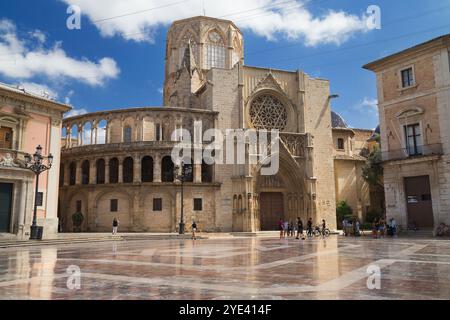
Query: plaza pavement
[241, 268]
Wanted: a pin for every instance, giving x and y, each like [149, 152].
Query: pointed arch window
[215, 51]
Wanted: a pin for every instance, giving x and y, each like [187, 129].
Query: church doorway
[271, 210]
[5, 207]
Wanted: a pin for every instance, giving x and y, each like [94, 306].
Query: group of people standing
[288, 229]
[381, 228]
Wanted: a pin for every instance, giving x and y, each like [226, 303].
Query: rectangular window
[198, 204]
[157, 204]
[413, 138]
[127, 134]
[78, 205]
[114, 205]
[340, 144]
[408, 78]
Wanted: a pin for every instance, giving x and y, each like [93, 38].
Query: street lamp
[181, 174]
[36, 164]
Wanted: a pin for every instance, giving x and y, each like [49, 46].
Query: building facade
[351, 148]
[26, 121]
[118, 164]
[414, 104]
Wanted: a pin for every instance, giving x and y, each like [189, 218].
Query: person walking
[115, 226]
[194, 230]
[394, 227]
[281, 227]
[324, 226]
[286, 229]
[310, 227]
[299, 228]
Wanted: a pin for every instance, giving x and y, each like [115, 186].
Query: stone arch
[147, 169]
[103, 216]
[128, 170]
[85, 172]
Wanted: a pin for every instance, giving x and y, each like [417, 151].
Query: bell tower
[194, 47]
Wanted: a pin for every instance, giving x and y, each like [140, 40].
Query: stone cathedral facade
[118, 164]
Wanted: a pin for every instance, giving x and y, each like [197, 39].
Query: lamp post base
[182, 226]
[36, 233]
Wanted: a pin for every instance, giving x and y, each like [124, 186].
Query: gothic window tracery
[268, 112]
[215, 51]
[187, 38]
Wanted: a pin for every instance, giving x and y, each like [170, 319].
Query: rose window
[268, 112]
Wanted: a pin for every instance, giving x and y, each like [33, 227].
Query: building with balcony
[26, 121]
[414, 105]
[118, 164]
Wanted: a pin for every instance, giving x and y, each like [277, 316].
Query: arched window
[167, 168]
[72, 173]
[74, 136]
[128, 170]
[127, 134]
[85, 172]
[268, 112]
[101, 132]
[114, 170]
[147, 169]
[100, 171]
[61, 175]
[207, 172]
[87, 134]
[215, 51]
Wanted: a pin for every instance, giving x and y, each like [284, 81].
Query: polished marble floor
[230, 268]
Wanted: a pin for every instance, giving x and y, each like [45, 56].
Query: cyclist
[324, 226]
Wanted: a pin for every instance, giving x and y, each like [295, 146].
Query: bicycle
[318, 231]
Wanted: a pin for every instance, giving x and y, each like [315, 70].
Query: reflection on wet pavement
[237, 268]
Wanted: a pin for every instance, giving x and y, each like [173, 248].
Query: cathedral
[117, 164]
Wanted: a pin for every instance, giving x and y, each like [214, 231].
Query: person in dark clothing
[310, 227]
[299, 228]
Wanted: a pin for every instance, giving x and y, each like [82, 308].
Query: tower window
[215, 51]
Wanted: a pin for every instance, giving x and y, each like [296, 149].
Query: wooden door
[418, 201]
[271, 210]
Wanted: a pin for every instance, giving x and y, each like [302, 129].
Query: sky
[116, 59]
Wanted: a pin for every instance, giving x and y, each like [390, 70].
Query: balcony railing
[411, 153]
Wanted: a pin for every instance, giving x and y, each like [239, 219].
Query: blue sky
[119, 62]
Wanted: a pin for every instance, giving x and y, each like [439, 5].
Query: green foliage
[343, 210]
[372, 172]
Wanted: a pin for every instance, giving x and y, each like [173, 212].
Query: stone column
[120, 170]
[157, 168]
[106, 171]
[137, 169]
[197, 173]
[78, 173]
[92, 172]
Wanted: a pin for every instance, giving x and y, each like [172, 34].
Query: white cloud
[39, 90]
[20, 60]
[75, 112]
[69, 96]
[367, 106]
[160, 90]
[370, 104]
[268, 18]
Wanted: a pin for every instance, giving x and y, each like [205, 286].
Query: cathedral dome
[337, 121]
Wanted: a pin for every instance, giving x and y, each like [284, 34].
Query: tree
[372, 172]
[343, 211]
